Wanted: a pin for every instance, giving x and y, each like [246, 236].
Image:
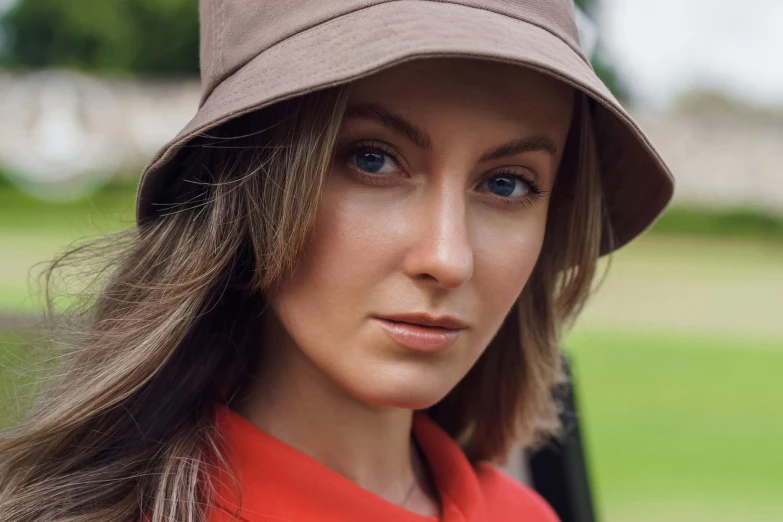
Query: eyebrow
[398, 124]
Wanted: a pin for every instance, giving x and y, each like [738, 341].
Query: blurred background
[677, 358]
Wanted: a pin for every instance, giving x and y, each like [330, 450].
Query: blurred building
[723, 152]
[61, 132]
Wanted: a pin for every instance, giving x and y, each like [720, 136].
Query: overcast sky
[664, 47]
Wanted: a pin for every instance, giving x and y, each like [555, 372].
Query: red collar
[280, 483]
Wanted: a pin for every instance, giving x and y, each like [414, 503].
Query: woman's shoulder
[509, 500]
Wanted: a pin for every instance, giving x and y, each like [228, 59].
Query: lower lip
[420, 338]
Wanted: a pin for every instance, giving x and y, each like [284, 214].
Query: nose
[442, 251]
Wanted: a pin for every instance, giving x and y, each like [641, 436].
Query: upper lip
[442, 321]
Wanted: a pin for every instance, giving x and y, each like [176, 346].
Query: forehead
[481, 90]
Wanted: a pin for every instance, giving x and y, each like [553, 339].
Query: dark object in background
[558, 470]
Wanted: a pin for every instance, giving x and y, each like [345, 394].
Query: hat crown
[233, 32]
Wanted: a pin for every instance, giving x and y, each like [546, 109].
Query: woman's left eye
[509, 186]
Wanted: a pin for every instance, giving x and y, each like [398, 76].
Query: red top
[280, 483]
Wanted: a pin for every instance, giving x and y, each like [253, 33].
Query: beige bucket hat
[258, 52]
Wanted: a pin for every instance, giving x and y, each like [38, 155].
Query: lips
[443, 321]
[422, 332]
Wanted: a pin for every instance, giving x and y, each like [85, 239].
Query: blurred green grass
[740, 222]
[677, 420]
[676, 357]
[22, 365]
[33, 231]
[110, 205]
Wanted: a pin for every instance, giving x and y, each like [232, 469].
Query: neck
[299, 404]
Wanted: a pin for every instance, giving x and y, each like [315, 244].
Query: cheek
[345, 260]
[505, 253]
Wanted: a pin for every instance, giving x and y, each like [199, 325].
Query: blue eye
[506, 185]
[371, 160]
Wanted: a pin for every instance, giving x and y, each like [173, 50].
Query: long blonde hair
[126, 429]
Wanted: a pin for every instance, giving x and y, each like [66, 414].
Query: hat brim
[637, 183]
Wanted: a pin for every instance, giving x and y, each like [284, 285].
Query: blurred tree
[585, 5]
[109, 36]
[603, 68]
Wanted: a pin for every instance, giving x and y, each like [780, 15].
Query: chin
[411, 391]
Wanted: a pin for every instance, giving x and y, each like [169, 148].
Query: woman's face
[436, 205]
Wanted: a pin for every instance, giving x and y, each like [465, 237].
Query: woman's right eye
[372, 160]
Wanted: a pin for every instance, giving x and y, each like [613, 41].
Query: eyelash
[535, 194]
[536, 191]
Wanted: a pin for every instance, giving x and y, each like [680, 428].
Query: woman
[350, 273]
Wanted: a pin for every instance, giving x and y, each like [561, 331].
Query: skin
[425, 232]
